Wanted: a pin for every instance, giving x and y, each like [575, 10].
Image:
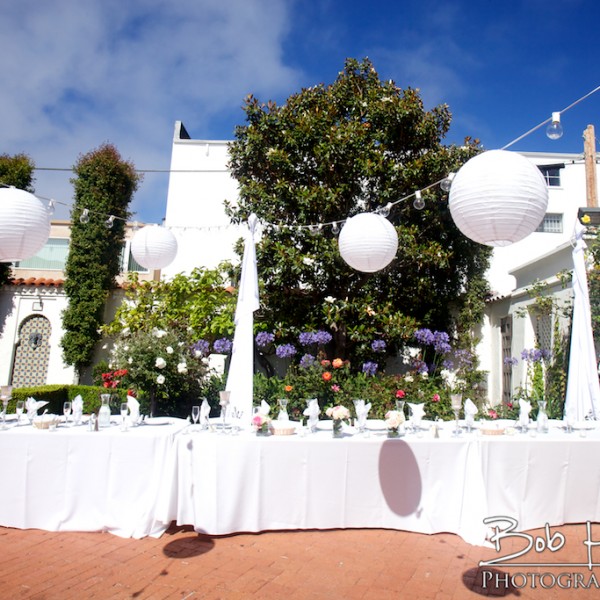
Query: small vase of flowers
[261, 424]
[338, 415]
[394, 420]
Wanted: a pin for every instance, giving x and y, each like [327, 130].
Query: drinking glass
[224, 402]
[19, 410]
[124, 409]
[195, 414]
[456, 403]
[67, 411]
[283, 413]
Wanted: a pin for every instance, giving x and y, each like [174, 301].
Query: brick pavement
[294, 565]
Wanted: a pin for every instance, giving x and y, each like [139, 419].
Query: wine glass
[456, 403]
[66, 411]
[224, 402]
[19, 410]
[195, 414]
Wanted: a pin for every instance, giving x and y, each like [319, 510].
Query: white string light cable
[553, 131]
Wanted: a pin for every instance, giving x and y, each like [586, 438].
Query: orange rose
[326, 376]
[337, 363]
[288, 388]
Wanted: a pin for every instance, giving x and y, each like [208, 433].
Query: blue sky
[77, 73]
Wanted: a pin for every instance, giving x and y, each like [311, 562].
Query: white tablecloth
[226, 484]
[73, 479]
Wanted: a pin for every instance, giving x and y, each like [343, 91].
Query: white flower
[125, 331]
[126, 348]
[330, 299]
[130, 360]
[169, 350]
[182, 368]
[105, 347]
[160, 363]
[409, 378]
[160, 379]
[159, 333]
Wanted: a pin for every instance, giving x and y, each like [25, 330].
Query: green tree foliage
[329, 153]
[16, 171]
[104, 185]
[196, 306]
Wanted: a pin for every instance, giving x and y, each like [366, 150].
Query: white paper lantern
[368, 242]
[498, 198]
[154, 247]
[24, 225]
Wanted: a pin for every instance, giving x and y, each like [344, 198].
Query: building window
[52, 256]
[551, 174]
[128, 263]
[551, 223]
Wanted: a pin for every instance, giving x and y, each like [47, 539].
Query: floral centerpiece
[338, 415]
[261, 424]
[393, 421]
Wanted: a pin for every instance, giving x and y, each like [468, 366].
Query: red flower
[325, 363]
[492, 413]
[400, 394]
[436, 397]
[326, 376]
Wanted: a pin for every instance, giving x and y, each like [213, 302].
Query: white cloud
[79, 73]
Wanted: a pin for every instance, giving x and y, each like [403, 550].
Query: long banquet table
[226, 484]
[72, 479]
[136, 483]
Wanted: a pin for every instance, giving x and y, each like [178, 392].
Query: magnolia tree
[326, 154]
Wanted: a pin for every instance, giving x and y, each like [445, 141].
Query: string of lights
[553, 131]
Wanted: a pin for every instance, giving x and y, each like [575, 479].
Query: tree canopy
[104, 185]
[333, 151]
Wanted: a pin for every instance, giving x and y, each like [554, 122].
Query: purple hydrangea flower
[201, 347]
[308, 360]
[285, 350]
[424, 336]
[378, 346]
[369, 368]
[322, 338]
[263, 339]
[441, 342]
[306, 338]
[222, 346]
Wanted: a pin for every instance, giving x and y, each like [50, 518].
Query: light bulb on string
[109, 222]
[51, 207]
[85, 216]
[446, 183]
[554, 130]
[314, 229]
[335, 228]
[418, 202]
[384, 211]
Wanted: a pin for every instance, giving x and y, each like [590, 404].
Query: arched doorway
[32, 353]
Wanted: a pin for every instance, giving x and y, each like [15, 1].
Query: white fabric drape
[241, 368]
[583, 390]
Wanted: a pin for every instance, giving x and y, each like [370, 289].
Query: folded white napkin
[312, 412]
[524, 410]
[470, 412]
[32, 405]
[417, 412]
[204, 412]
[77, 407]
[362, 412]
[264, 408]
[134, 409]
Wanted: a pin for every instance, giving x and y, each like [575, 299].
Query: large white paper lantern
[368, 242]
[154, 247]
[498, 198]
[24, 224]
